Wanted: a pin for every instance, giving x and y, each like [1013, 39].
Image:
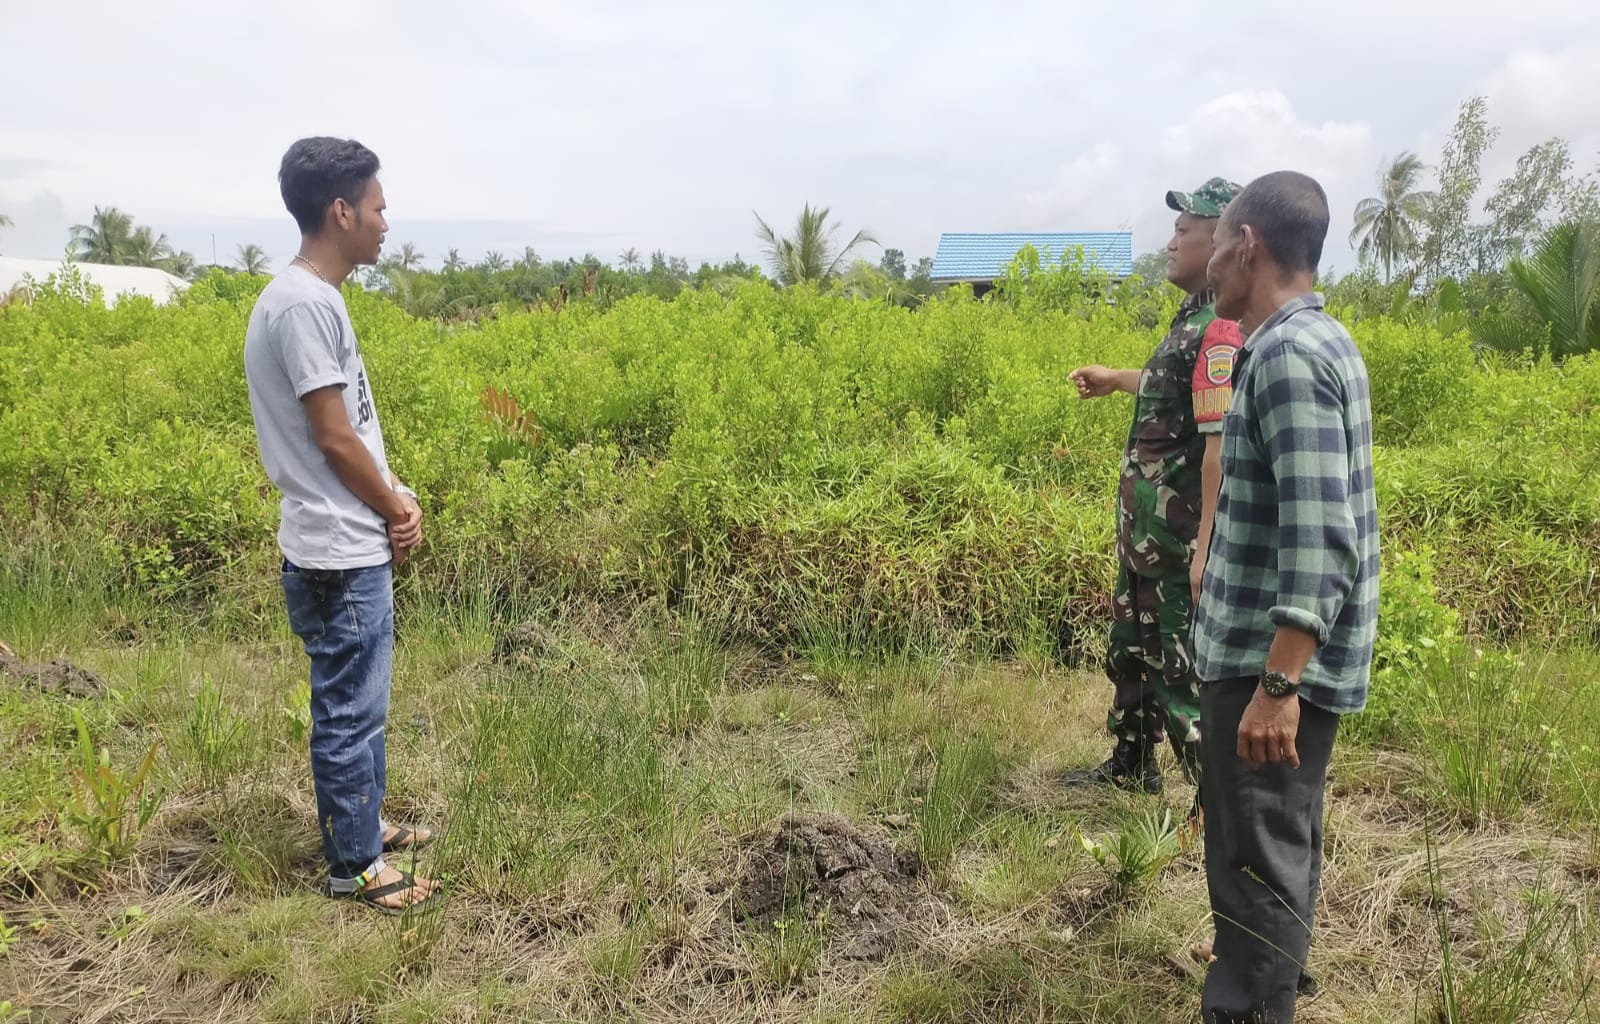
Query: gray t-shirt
[299, 340]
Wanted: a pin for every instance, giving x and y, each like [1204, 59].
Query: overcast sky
[593, 126]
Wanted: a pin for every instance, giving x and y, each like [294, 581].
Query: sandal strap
[406, 883]
[398, 840]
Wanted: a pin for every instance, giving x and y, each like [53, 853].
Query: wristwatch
[1276, 684]
[404, 490]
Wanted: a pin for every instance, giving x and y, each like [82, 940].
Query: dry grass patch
[857, 839]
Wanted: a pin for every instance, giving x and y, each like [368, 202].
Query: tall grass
[559, 772]
[958, 794]
[1527, 976]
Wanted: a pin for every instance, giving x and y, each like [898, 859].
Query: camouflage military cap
[1207, 200]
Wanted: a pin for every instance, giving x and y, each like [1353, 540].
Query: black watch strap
[1276, 684]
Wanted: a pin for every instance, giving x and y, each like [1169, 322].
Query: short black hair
[1289, 212]
[317, 171]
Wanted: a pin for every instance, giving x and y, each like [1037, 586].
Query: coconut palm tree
[1388, 225]
[252, 260]
[631, 261]
[148, 249]
[420, 294]
[453, 261]
[811, 254]
[408, 258]
[107, 238]
[182, 264]
[495, 261]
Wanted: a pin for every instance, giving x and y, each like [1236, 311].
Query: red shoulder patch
[1219, 363]
[1224, 332]
[1218, 348]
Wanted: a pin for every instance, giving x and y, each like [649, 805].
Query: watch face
[1277, 684]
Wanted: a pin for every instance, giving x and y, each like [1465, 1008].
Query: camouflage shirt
[1184, 390]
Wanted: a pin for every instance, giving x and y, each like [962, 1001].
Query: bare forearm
[353, 465]
[1126, 381]
[1291, 651]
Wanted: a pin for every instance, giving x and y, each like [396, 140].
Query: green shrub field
[706, 579]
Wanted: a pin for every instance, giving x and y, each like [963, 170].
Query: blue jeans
[345, 618]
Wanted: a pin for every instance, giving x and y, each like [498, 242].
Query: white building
[115, 282]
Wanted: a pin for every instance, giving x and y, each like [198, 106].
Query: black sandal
[402, 840]
[370, 897]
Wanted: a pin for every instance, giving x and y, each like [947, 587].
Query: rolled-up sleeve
[1301, 405]
[308, 340]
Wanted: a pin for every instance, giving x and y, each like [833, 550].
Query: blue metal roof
[965, 256]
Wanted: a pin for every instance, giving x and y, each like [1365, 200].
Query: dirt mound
[51, 677]
[824, 862]
[524, 644]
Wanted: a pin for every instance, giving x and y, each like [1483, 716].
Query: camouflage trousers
[1156, 693]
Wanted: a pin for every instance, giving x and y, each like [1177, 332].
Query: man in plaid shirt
[1289, 604]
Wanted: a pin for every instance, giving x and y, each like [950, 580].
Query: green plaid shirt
[1296, 536]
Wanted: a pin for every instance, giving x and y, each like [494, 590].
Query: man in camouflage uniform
[1166, 498]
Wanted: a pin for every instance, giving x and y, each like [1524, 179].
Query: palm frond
[1506, 333]
[862, 237]
[1562, 281]
[809, 254]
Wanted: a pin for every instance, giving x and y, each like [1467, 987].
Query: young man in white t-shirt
[347, 521]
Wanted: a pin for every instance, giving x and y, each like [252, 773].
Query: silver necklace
[314, 269]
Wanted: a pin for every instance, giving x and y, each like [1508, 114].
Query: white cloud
[1535, 96]
[1247, 134]
[40, 224]
[1081, 187]
[601, 123]
[1532, 96]
[1238, 135]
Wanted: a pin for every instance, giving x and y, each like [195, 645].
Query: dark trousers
[1263, 858]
